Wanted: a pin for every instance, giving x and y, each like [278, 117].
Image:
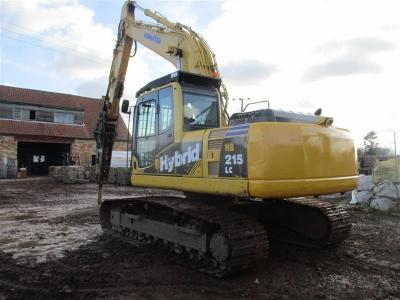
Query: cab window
[147, 119]
[146, 133]
[200, 111]
[166, 109]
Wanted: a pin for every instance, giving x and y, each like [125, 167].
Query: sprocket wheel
[220, 247]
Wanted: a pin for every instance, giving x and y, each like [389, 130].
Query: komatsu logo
[168, 163]
[152, 38]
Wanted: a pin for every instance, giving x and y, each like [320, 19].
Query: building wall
[8, 157]
[120, 146]
[8, 147]
[87, 148]
[8, 153]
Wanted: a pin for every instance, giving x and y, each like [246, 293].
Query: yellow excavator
[244, 177]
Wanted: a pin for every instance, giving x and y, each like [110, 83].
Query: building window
[6, 111]
[66, 118]
[40, 114]
[32, 115]
[21, 114]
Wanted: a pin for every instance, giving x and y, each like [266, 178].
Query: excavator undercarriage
[226, 238]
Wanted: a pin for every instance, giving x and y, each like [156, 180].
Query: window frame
[210, 92]
[159, 110]
[42, 114]
[58, 114]
[155, 119]
[142, 163]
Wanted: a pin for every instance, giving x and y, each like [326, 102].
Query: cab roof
[181, 76]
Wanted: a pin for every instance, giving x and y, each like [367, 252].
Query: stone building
[39, 129]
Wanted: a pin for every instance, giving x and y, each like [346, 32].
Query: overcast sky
[340, 55]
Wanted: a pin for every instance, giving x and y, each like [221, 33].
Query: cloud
[341, 67]
[247, 71]
[369, 45]
[33, 65]
[92, 88]
[391, 27]
[306, 104]
[353, 56]
[83, 48]
[175, 11]
[8, 84]
[361, 45]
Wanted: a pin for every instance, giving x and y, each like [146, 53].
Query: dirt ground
[52, 247]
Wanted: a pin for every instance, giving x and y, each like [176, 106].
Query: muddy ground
[52, 247]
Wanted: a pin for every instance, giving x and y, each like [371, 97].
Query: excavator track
[233, 242]
[224, 239]
[307, 222]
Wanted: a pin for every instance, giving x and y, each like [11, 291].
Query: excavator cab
[172, 115]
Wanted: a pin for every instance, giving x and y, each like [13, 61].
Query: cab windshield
[200, 111]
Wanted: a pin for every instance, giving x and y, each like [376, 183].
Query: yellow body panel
[284, 160]
[300, 187]
[289, 159]
[280, 160]
[216, 186]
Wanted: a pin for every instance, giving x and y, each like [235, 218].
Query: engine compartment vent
[213, 168]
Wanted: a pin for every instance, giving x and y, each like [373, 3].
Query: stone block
[123, 176]
[383, 204]
[361, 197]
[388, 189]
[387, 171]
[74, 174]
[365, 183]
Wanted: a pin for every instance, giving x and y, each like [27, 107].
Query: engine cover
[270, 115]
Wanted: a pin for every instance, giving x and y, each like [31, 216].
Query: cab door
[146, 131]
[154, 127]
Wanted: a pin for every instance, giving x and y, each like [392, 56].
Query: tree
[371, 145]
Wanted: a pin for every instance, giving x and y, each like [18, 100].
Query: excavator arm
[175, 42]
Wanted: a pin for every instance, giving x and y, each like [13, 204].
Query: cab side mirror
[125, 107]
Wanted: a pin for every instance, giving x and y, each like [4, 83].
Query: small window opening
[32, 115]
